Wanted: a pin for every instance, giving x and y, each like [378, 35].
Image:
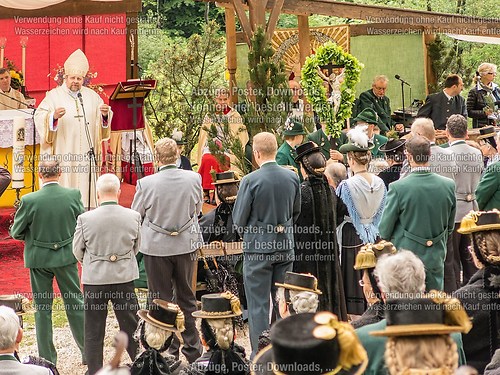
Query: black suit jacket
[438, 108]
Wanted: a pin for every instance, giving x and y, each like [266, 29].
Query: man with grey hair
[470, 166]
[441, 160]
[335, 173]
[46, 221]
[376, 99]
[266, 208]
[11, 335]
[401, 275]
[169, 203]
[420, 211]
[106, 241]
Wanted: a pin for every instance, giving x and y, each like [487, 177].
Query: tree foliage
[188, 72]
[183, 17]
[267, 109]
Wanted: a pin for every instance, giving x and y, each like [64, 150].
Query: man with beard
[61, 122]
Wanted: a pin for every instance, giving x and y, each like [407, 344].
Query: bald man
[266, 208]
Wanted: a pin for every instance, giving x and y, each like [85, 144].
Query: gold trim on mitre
[76, 64]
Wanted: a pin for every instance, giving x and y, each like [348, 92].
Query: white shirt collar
[449, 97]
[50, 183]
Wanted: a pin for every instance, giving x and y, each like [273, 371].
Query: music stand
[137, 90]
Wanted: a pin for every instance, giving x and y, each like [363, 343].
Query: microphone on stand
[91, 152]
[398, 77]
[28, 105]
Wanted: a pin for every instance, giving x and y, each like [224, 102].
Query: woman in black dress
[316, 249]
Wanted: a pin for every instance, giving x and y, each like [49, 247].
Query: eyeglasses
[492, 73]
[379, 88]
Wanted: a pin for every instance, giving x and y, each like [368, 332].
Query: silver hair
[301, 301]
[381, 77]
[49, 166]
[424, 127]
[401, 275]
[337, 172]
[108, 183]
[9, 328]
[154, 336]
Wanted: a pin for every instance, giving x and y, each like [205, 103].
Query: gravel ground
[69, 361]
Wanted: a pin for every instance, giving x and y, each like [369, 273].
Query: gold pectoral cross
[78, 116]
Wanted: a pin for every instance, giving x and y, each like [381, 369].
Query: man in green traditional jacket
[329, 145]
[419, 213]
[488, 189]
[375, 99]
[370, 118]
[46, 221]
[293, 134]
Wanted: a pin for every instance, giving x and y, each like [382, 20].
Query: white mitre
[76, 64]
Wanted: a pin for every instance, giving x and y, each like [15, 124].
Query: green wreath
[315, 91]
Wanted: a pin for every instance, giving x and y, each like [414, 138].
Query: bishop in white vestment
[60, 121]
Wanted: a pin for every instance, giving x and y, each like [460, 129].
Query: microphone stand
[403, 98]
[91, 152]
[32, 113]
[138, 167]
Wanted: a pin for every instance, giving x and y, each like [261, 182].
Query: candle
[24, 42]
[3, 41]
[18, 132]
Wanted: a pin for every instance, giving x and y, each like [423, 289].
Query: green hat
[369, 116]
[358, 141]
[293, 127]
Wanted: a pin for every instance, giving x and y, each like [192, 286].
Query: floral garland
[59, 78]
[315, 91]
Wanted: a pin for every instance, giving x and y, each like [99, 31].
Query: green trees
[187, 72]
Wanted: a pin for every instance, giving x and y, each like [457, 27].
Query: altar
[6, 153]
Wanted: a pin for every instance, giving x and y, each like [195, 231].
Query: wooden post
[231, 53]
[430, 77]
[257, 13]
[304, 38]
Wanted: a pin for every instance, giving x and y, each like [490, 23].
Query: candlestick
[24, 43]
[18, 138]
[3, 42]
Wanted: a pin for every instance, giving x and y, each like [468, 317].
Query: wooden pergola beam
[238, 7]
[433, 22]
[274, 18]
[76, 8]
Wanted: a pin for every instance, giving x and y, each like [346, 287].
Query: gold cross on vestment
[77, 110]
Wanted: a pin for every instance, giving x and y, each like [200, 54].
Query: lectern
[127, 102]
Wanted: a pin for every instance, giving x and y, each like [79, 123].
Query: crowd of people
[347, 266]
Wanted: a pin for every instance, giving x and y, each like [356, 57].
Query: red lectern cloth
[123, 116]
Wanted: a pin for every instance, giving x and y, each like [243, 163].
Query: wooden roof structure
[381, 20]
